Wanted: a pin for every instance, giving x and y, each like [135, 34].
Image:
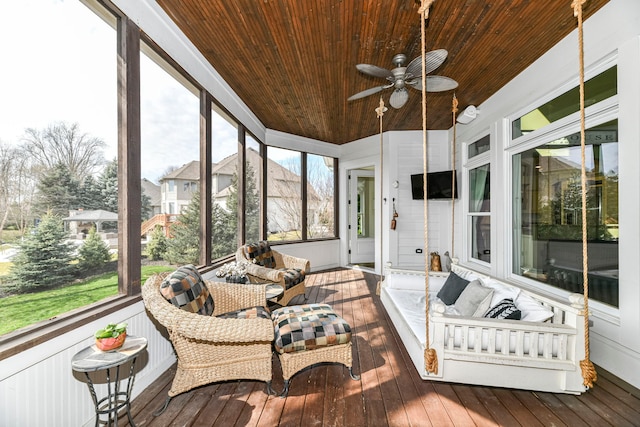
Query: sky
[59, 65]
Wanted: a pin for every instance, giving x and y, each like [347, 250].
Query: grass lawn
[17, 311]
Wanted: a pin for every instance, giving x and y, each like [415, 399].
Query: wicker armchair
[269, 266]
[211, 349]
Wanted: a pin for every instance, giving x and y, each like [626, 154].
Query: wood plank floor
[390, 392]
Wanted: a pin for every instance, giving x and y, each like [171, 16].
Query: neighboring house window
[189, 186]
[479, 201]
[172, 185]
[172, 208]
[547, 196]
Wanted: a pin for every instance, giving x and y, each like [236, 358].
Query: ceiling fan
[411, 75]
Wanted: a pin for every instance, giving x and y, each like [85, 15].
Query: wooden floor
[390, 391]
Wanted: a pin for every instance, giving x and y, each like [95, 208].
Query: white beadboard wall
[39, 388]
[405, 159]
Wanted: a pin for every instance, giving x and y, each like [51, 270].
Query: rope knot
[589, 373]
[577, 6]
[424, 8]
[431, 361]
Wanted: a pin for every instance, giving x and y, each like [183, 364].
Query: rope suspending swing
[454, 111]
[588, 370]
[380, 113]
[430, 355]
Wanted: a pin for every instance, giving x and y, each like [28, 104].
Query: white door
[362, 212]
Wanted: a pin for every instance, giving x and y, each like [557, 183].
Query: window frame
[597, 114]
[470, 164]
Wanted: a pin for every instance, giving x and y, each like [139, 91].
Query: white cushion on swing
[411, 305]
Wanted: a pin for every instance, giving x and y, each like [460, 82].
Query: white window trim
[595, 115]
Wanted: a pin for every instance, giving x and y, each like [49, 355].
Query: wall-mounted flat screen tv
[438, 185]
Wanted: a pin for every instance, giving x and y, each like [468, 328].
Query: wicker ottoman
[309, 334]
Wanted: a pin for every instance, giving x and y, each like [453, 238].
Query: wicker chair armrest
[213, 329]
[290, 261]
[264, 273]
[235, 296]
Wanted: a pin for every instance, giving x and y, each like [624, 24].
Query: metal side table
[91, 359]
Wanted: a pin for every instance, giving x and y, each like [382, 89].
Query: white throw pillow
[501, 291]
[475, 300]
[532, 310]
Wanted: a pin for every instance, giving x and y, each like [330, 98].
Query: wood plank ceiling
[293, 62]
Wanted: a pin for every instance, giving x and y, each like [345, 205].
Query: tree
[157, 247]
[184, 246]
[58, 191]
[17, 187]
[61, 143]
[90, 195]
[108, 184]
[44, 258]
[94, 252]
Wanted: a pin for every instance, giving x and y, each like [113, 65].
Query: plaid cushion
[292, 276]
[308, 326]
[256, 312]
[185, 289]
[260, 253]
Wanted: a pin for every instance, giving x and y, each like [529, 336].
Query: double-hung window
[479, 200]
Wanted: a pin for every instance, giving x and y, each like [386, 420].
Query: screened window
[320, 196]
[547, 210]
[284, 194]
[225, 210]
[58, 157]
[253, 191]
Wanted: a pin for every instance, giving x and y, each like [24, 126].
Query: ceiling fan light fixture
[398, 98]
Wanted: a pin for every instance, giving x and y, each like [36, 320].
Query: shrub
[157, 247]
[94, 252]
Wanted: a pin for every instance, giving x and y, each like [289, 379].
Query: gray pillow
[452, 288]
[475, 300]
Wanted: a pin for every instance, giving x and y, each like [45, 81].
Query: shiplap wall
[405, 159]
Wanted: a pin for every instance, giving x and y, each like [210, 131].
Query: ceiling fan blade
[435, 84]
[367, 92]
[434, 59]
[374, 70]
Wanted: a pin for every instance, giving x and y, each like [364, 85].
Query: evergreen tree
[44, 258]
[94, 252]
[90, 197]
[108, 184]
[184, 246]
[157, 247]
[57, 192]
[252, 206]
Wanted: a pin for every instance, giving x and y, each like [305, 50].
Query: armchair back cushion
[185, 289]
[260, 253]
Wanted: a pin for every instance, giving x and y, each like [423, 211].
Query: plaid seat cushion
[292, 276]
[256, 312]
[260, 253]
[308, 326]
[185, 289]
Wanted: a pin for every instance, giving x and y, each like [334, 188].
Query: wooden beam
[129, 186]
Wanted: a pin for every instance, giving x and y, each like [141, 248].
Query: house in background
[283, 199]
